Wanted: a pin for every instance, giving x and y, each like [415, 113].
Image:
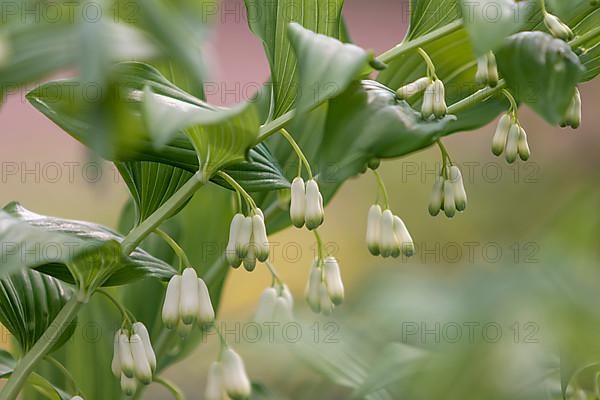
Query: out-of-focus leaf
[547, 65]
[428, 15]
[7, 363]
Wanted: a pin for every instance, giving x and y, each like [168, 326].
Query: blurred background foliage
[542, 215]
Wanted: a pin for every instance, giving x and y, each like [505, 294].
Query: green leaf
[269, 20]
[7, 363]
[488, 22]
[536, 60]
[72, 251]
[428, 15]
[29, 302]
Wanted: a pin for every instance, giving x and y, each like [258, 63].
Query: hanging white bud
[206, 312]
[214, 383]
[266, 305]
[235, 379]
[437, 197]
[250, 259]
[231, 251]
[439, 99]
[413, 88]
[170, 311]
[428, 100]
[244, 237]
[333, 280]
[325, 303]
[387, 241]
[312, 292]
[523, 146]
[374, 229]
[115, 365]
[482, 69]
[282, 311]
[557, 28]
[493, 77]
[125, 355]
[259, 237]
[189, 302]
[512, 143]
[449, 205]
[287, 295]
[573, 115]
[314, 205]
[142, 369]
[183, 330]
[128, 385]
[501, 134]
[460, 195]
[142, 332]
[403, 237]
[298, 202]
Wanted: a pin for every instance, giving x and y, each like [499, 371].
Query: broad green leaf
[488, 22]
[73, 251]
[29, 302]
[269, 20]
[428, 15]
[7, 363]
[536, 60]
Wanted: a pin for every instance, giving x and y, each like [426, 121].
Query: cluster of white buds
[325, 288]
[387, 234]
[306, 205]
[413, 88]
[487, 70]
[133, 360]
[448, 193]
[227, 379]
[275, 304]
[572, 117]
[434, 100]
[248, 240]
[510, 138]
[187, 301]
[557, 28]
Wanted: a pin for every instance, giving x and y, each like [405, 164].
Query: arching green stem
[184, 261]
[238, 188]
[125, 313]
[382, 189]
[430, 66]
[298, 151]
[170, 386]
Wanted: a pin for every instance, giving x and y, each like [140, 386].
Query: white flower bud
[287, 295]
[282, 311]
[142, 369]
[116, 361]
[492, 70]
[501, 134]
[266, 305]
[325, 303]
[141, 330]
[189, 301]
[312, 292]
[183, 330]
[557, 28]
[482, 69]
[573, 115]
[250, 259]
[76, 398]
[259, 236]
[387, 241]
[403, 236]
[333, 280]
[523, 146]
[428, 99]
[439, 99]
[231, 251]
[298, 202]
[449, 205]
[125, 355]
[235, 379]
[413, 88]
[512, 143]
[206, 312]
[170, 311]
[437, 197]
[128, 385]
[244, 237]
[214, 383]
[460, 195]
[314, 205]
[374, 229]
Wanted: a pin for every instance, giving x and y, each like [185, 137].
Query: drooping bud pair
[413, 88]
[557, 28]
[325, 288]
[572, 117]
[248, 240]
[510, 138]
[275, 304]
[387, 234]
[133, 358]
[448, 194]
[187, 301]
[434, 100]
[306, 205]
[487, 70]
[227, 378]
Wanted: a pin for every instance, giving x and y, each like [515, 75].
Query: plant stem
[125, 314]
[298, 150]
[320, 254]
[170, 386]
[183, 258]
[72, 385]
[476, 98]
[586, 36]
[135, 237]
[273, 272]
[271, 127]
[430, 66]
[238, 188]
[41, 348]
[386, 199]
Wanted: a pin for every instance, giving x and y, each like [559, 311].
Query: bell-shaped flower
[170, 310]
[125, 355]
[235, 380]
[298, 202]
[128, 385]
[312, 292]
[460, 195]
[214, 383]
[231, 253]
[141, 365]
[374, 229]
[512, 143]
[142, 332]
[206, 312]
[405, 241]
[314, 205]
[523, 146]
[259, 237]
[189, 301]
[333, 280]
[439, 99]
[501, 134]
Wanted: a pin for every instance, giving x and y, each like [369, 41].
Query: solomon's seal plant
[184, 160]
